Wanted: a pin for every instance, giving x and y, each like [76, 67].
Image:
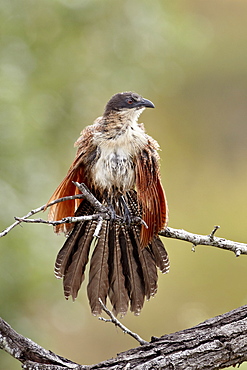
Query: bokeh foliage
[60, 61]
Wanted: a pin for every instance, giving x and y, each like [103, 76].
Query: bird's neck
[120, 130]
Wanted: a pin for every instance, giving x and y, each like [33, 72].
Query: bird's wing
[76, 173]
[150, 193]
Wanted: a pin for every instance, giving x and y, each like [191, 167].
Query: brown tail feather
[149, 272]
[65, 254]
[160, 255]
[74, 275]
[148, 265]
[120, 267]
[147, 260]
[133, 272]
[98, 276]
[117, 288]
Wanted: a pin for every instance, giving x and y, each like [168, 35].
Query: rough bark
[214, 344]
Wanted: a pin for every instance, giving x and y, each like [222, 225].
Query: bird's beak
[146, 103]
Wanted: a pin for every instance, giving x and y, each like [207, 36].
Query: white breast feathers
[115, 166]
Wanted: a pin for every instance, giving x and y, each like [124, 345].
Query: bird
[119, 163]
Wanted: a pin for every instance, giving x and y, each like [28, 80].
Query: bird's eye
[130, 101]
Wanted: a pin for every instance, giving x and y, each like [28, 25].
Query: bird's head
[127, 103]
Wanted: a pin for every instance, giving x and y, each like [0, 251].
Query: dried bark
[217, 343]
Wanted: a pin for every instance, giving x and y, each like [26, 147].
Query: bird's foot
[127, 217]
[111, 212]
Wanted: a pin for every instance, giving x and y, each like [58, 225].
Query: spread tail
[119, 268]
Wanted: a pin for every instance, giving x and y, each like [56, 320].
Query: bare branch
[64, 220]
[90, 197]
[104, 214]
[37, 210]
[210, 240]
[116, 322]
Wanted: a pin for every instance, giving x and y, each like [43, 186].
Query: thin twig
[211, 236]
[96, 216]
[116, 322]
[37, 210]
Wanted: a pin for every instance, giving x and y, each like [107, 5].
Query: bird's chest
[115, 167]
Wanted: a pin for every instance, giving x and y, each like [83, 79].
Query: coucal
[119, 164]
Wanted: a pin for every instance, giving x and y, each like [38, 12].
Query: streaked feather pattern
[147, 261]
[133, 271]
[65, 254]
[118, 293]
[160, 255]
[98, 276]
[120, 268]
[74, 275]
[149, 272]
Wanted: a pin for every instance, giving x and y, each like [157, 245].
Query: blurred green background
[60, 62]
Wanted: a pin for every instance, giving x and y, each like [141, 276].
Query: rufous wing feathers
[150, 195]
[68, 207]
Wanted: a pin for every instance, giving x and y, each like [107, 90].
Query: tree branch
[217, 343]
[210, 240]
[35, 211]
[104, 214]
[27, 351]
